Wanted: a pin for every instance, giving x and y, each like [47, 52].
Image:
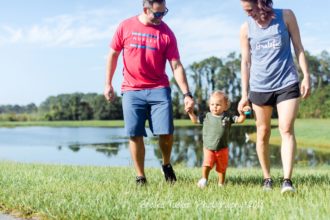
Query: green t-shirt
[216, 130]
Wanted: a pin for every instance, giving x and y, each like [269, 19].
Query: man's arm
[181, 79]
[110, 70]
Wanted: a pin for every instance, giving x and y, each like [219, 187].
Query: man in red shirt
[147, 43]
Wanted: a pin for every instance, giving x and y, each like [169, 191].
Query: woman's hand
[305, 87]
[243, 102]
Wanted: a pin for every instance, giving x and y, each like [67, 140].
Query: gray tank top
[272, 66]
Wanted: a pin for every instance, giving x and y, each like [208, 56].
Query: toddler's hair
[223, 95]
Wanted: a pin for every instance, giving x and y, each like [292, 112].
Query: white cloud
[10, 35]
[80, 30]
[200, 38]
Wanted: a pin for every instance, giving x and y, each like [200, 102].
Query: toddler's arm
[193, 117]
[242, 116]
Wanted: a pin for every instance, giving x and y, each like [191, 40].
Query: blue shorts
[154, 105]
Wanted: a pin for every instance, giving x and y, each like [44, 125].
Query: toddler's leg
[205, 175]
[206, 172]
[222, 164]
[222, 177]
[208, 163]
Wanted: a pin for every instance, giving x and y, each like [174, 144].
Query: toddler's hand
[247, 110]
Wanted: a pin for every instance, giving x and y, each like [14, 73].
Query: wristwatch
[187, 94]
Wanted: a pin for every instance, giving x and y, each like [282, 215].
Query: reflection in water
[188, 149]
[109, 147]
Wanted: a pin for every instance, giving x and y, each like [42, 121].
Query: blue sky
[50, 47]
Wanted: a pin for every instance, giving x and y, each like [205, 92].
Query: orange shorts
[219, 158]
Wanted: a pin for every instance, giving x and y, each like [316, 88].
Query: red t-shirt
[145, 51]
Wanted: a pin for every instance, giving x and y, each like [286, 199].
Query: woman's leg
[287, 111]
[263, 117]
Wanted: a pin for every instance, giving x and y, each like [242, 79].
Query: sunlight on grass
[72, 192]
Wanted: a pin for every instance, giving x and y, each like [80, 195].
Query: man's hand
[189, 104]
[109, 94]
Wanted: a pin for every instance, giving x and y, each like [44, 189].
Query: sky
[51, 47]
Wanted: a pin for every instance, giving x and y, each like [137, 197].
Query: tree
[317, 105]
[325, 67]
[203, 74]
[227, 77]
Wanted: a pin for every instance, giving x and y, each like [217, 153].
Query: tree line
[75, 106]
[204, 76]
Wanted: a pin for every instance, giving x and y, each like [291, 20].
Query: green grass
[309, 133]
[73, 192]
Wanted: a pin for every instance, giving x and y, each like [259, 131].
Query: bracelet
[187, 94]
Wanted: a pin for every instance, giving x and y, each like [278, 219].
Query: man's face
[156, 13]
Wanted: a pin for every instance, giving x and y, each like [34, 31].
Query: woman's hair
[149, 3]
[265, 8]
[223, 95]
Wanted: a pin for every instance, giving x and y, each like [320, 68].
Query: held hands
[243, 103]
[189, 104]
[247, 110]
[109, 93]
[189, 108]
[192, 116]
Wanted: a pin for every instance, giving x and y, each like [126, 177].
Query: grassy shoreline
[110, 123]
[77, 192]
[310, 133]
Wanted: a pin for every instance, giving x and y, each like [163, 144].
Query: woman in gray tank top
[270, 79]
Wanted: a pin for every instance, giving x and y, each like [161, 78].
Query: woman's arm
[293, 28]
[245, 66]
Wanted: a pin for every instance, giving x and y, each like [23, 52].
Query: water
[109, 147]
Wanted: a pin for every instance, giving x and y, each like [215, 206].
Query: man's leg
[161, 123]
[135, 110]
[165, 144]
[138, 154]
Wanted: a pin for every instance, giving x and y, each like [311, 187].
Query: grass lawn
[309, 133]
[73, 192]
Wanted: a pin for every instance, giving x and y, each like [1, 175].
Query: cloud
[79, 30]
[9, 34]
[200, 38]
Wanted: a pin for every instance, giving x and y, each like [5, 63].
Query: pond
[109, 147]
